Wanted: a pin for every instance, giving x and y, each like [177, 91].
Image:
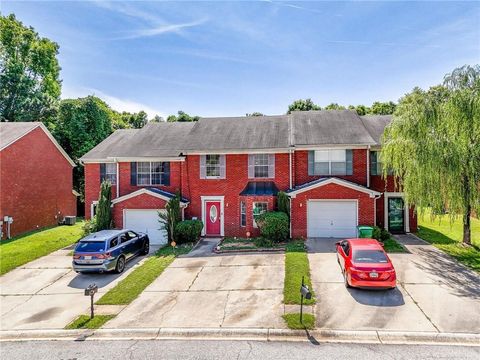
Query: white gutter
[118, 179]
[368, 166]
[290, 168]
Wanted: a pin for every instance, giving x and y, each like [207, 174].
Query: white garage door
[146, 221]
[332, 219]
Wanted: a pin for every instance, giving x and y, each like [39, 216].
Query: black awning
[260, 188]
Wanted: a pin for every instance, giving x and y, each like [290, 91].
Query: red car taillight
[359, 273]
[76, 256]
[103, 256]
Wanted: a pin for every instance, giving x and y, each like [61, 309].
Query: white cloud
[116, 103]
[161, 29]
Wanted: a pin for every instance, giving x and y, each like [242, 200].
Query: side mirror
[382, 244]
[338, 243]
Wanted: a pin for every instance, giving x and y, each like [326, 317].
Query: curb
[313, 336]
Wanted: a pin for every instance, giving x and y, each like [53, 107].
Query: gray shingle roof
[11, 131]
[111, 146]
[375, 125]
[329, 127]
[308, 128]
[239, 133]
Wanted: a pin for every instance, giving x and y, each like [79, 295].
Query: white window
[330, 162]
[212, 163]
[258, 209]
[111, 173]
[150, 173]
[243, 214]
[261, 166]
[212, 166]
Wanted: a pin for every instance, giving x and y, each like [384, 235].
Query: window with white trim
[243, 214]
[260, 165]
[375, 163]
[111, 173]
[258, 209]
[150, 173]
[330, 162]
[212, 163]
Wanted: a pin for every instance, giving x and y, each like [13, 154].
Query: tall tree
[383, 108]
[255, 113]
[302, 105]
[81, 124]
[334, 106]
[182, 117]
[126, 120]
[103, 219]
[29, 73]
[433, 146]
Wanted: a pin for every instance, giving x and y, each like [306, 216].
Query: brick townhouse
[229, 169]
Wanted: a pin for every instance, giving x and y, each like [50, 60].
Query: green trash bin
[365, 231]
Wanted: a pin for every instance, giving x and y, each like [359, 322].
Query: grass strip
[392, 246]
[293, 321]
[129, 288]
[84, 322]
[296, 266]
[28, 247]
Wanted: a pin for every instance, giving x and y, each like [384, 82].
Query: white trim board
[143, 191]
[203, 200]
[336, 181]
[406, 215]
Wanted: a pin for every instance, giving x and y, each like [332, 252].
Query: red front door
[212, 217]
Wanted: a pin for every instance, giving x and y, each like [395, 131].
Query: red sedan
[365, 264]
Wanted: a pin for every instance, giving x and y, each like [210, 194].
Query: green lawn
[84, 322]
[296, 266]
[129, 288]
[447, 236]
[25, 248]
[293, 321]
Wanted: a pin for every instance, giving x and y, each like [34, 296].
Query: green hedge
[274, 225]
[188, 231]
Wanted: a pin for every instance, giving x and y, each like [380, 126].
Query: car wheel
[146, 248]
[120, 265]
[345, 276]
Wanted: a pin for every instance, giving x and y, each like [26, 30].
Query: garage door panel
[331, 218]
[146, 221]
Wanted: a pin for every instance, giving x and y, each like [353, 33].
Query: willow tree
[433, 146]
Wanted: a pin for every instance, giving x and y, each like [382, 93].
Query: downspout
[368, 166]
[290, 215]
[290, 167]
[375, 209]
[118, 177]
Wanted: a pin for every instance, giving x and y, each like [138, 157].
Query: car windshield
[90, 246]
[369, 256]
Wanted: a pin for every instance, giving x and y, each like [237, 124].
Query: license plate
[374, 275]
[87, 257]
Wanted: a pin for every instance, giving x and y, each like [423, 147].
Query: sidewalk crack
[418, 306]
[195, 279]
[225, 309]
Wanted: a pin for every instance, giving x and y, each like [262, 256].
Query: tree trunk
[466, 226]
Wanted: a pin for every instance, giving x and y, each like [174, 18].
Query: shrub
[263, 242]
[188, 231]
[380, 234]
[283, 203]
[104, 207]
[90, 226]
[169, 219]
[274, 225]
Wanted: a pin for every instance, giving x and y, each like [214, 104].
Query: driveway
[48, 294]
[236, 291]
[434, 292]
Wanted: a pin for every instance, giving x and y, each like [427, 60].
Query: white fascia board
[140, 192]
[239, 151]
[146, 159]
[336, 181]
[332, 146]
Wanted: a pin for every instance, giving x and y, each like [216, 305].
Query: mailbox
[305, 291]
[91, 290]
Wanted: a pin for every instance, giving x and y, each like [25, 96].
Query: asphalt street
[201, 349]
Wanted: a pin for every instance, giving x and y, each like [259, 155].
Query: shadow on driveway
[383, 298]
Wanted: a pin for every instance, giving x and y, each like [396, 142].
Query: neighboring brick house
[35, 178]
[229, 169]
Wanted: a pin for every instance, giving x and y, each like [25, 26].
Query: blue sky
[230, 58]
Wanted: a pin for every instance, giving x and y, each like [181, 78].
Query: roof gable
[330, 180]
[10, 132]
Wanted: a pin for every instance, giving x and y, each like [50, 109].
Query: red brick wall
[359, 168]
[366, 213]
[36, 183]
[142, 201]
[230, 188]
